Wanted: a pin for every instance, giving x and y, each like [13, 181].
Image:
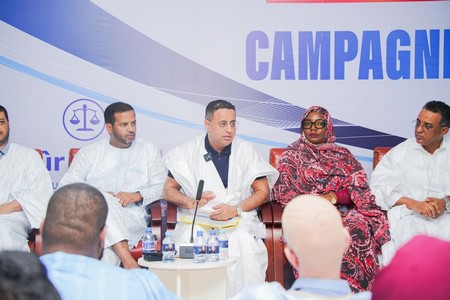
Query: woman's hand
[331, 196]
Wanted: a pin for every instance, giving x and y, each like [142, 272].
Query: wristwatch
[447, 203]
[239, 211]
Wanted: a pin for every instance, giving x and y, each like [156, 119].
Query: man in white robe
[412, 181]
[237, 180]
[25, 189]
[131, 175]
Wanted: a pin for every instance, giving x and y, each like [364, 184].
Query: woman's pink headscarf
[329, 134]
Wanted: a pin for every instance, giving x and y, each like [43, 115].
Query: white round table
[191, 280]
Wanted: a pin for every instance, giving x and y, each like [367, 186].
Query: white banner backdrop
[372, 65]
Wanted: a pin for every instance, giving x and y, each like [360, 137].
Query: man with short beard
[131, 175]
[25, 188]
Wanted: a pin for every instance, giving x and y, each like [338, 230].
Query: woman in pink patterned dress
[315, 164]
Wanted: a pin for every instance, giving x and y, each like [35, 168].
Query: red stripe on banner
[345, 1]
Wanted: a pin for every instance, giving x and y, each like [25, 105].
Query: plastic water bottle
[199, 248]
[212, 246]
[223, 244]
[148, 244]
[168, 248]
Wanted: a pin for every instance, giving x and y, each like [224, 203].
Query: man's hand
[260, 195]
[439, 204]
[431, 208]
[206, 197]
[4, 209]
[427, 208]
[10, 207]
[128, 198]
[223, 212]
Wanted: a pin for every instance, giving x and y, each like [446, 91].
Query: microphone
[187, 250]
[201, 183]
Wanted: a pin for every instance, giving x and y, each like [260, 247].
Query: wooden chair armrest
[378, 153]
[277, 213]
[156, 217]
[280, 261]
[265, 213]
[171, 216]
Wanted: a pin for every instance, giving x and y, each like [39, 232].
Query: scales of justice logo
[83, 119]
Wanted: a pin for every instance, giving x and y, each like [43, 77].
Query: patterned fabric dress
[307, 168]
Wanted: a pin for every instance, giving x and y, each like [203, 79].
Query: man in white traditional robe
[237, 180]
[25, 189]
[131, 175]
[412, 181]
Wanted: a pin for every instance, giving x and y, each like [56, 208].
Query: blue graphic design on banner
[169, 58]
[83, 119]
[172, 72]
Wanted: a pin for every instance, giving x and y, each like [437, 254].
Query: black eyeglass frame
[315, 123]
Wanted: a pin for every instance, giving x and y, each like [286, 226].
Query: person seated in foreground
[24, 277]
[315, 164]
[316, 241]
[412, 181]
[419, 270]
[73, 237]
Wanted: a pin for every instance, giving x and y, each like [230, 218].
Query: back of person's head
[117, 107]
[313, 230]
[439, 107]
[3, 109]
[24, 277]
[419, 270]
[75, 221]
[215, 105]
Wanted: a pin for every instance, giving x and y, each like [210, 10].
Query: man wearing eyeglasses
[237, 180]
[412, 181]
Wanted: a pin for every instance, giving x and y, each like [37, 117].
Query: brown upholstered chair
[72, 153]
[378, 153]
[282, 267]
[39, 151]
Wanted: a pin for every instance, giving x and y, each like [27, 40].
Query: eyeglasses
[319, 124]
[224, 124]
[427, 126]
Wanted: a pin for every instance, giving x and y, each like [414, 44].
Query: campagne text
[324, 55]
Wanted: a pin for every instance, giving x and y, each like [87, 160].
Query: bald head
[75, 220]
[314, 233]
